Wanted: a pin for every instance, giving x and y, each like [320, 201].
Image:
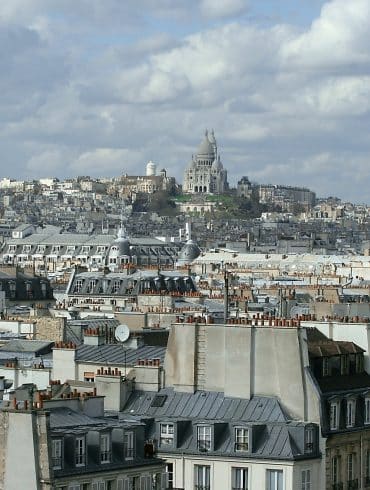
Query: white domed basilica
[205, 173]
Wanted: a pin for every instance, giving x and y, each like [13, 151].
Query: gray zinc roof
[117, 354]
[206, 405]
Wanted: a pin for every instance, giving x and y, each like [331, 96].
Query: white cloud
[223, 8]
[104, 161]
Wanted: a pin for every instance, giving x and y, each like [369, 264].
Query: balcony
[202, 487]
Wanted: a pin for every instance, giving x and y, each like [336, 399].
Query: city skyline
[101, 88]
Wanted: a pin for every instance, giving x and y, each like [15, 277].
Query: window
[74, 486]
[274, 480]
[123, 484]
[241, 439]
[350, 466]
[105, 449]
[204, 437]
[367, 467]
[306, 480]
[56, 453]
[128, 445]
[166, 434]
[80, 451]
[344, 364]
[202, 477]
[91, 286]
[239, 478]
[309, 437]
[367, 410]
[334, 415]
[325, 366]
[335, 470]
[116, 286]
[350, 419]
[359, 363]
[167, 477]
[145, 482]
[98, 485]
[78, 286]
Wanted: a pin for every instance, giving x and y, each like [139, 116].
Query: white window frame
[166, 431]
[306, 479]
[350, 413]
[335, 470]
[145, 482]
[309, 434]
[334, 415]
[204, 437]
[99, 485]
[57, 453]
[239, 478]
[105, 448]
[79, 285]
[202, 477]
[367, 410]
[241, 436]
[278, 477]
[129, 445]
[350, 466]
[80, 451]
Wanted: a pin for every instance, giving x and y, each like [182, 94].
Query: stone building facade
[205, 173]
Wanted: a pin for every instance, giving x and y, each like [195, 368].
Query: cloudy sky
[99, 87]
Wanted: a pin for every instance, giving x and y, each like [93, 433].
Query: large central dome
[206, 149]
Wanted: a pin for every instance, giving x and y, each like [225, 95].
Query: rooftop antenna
[122, 333]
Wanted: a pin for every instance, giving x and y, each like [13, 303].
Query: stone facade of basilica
[205, 173]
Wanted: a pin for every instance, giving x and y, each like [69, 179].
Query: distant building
[205, 173]
[244, 188]
[147, 184]
[286, 196]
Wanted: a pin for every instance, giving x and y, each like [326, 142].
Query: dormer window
[334, 415]
[241, 439]
[344, 365]
[204, 437]
[367, 410]
[80, 451]
[309, 439]
[325, 366]
[350, 415]
[40, 249]
[166, 434]
[359, 363]
[91, 285]
[105, 448]
[128, 445]
[78, 286]
[56, 453]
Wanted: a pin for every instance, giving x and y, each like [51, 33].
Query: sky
[100, 87]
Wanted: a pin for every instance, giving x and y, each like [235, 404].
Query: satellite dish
[122, 333]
